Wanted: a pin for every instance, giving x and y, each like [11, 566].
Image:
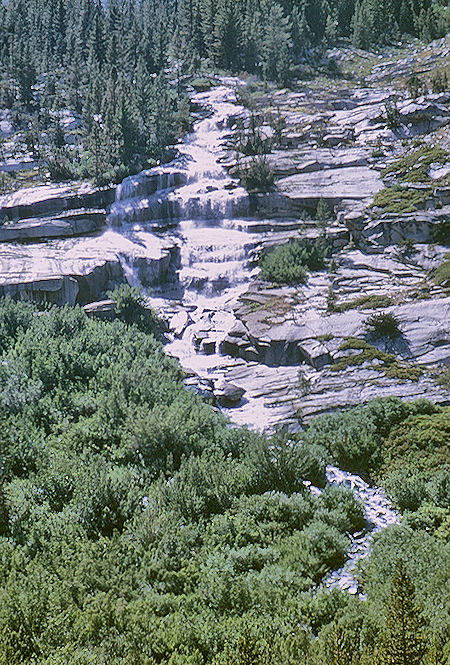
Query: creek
[197, 205]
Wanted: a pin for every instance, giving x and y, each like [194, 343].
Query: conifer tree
[404, 640]
[339, 646]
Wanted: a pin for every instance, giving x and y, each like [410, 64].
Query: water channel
[205, 212]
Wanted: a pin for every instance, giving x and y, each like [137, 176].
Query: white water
[216, 243]
[378, 513]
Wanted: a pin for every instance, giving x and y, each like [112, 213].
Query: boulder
[314, 353]
[102, 309]
[227, 394]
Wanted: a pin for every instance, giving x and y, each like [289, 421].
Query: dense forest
[119, 67]
[137, 527]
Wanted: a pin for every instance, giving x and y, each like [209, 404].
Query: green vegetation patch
[441, 275]
[129, 502]
[386, 433]
[289, 263]
[380, 361]
[422, 441]
[414, 167]
[364, 302]
[202, 84]
[258, 175]
[397, 199]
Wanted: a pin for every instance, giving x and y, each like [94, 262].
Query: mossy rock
[202, 84]
[414, 167]
[386, 363]
[441, 275]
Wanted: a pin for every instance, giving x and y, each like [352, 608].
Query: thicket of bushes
[137, 527]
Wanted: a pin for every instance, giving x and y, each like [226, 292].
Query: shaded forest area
[116, 69]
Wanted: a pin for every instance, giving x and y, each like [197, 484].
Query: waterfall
[209, 215]
[194, 185]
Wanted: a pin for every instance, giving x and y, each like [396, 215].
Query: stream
[207, 214]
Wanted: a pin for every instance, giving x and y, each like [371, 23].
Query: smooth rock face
[333, 185]
[55, 290]
[95, 265]
[48, 199]
[68, 224]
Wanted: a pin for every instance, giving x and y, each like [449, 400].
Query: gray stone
[50, 199]
[96, 264]
[102, 309]
[227, 394]
[54, 290]
[75, 223]
[333, 185]
[208, 346]
[315, 353]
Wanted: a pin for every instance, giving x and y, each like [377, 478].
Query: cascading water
[378, 513]
[207, 210]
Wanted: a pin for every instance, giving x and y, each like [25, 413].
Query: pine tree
[276, 43]
[227, 35]
[404, 639]
[339, 646]
[248, 652]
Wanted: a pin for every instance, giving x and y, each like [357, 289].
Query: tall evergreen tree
[404, 639]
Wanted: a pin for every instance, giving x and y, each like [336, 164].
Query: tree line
[120, 64]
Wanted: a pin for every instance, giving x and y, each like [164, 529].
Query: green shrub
[289, 263]
[258, 176]
[202, 84]
[364, 302]
[323, 211]
[379, 361]
[131, 308]
[393, 118]
[401, 200]
[414, 85]
[440, 232]
[414, 166]
[441, 275]
[439, 81]
[382, 325]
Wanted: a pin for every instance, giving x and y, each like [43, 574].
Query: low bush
[401, 200]
[441, 275]
[439, 82]
[440, 232]
[414, 166]
[289, 263]
[364, 302]
[393, 118]
[380, 437]
[382, 325]
[202, 84]
[258, 175]
[386, 363]
[131, 308]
